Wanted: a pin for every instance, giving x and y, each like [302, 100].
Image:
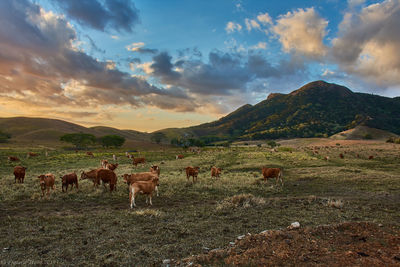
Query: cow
[69, 179]
[47, 182]
[272, 173]
[31, 154]
[136, 161]
[114, 157]
[215, 172]
[140, 176]
[371, 157]
[19, 174]
[179, 157]
[144, 187]
[91, 175]
[107, 177]
[341, 156]
[192, 171]
[326, 158]
[90, 154]
[13, 158]
[111, 166]
[155, 169]
[103, 163]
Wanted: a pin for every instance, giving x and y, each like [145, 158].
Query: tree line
[83, 140]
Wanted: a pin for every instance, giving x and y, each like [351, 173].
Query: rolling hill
[315, 110]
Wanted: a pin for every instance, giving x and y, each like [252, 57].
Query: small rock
[264, 232]
[380, 225]
[294, 225]
[206, 249]
[166, 261]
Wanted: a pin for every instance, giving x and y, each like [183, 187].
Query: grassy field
[93, 227]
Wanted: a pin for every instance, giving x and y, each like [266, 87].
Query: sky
[153, 64]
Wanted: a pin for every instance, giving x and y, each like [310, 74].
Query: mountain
[364, 132]
[317, 109]
[41, 130]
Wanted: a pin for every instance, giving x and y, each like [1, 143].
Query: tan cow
[215, 172]
[192, 171]
[144, 187]
[136, 161]
[155, 169]
[140, 176]
[272, 173]
[47, 183]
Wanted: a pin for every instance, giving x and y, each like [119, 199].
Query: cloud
[102, 15]
[302, 31]
[368, 43]
[264, 18]
[251, 24]
[232, 27]
[138, 47]
[259, 45]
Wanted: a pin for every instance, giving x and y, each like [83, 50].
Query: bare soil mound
[345, 244]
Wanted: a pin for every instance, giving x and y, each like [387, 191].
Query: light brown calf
[140, 176]
[136, 161]
[47, 182]
[192, 171]
[111, 166]
[155, 169]
[272, 173]
[215, 172]
[144, 187]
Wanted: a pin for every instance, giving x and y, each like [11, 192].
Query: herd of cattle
[139, 183]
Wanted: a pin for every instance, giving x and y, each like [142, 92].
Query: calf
[144, 187]
[136, 161]
[91, 175]
[140, 176]
[215, 172]
[46, 182]
[90, 154]
[69, 179]
[111, 166]
[155, 169]
[272, 173]
[107, 177]
[19, 174]
[192, 171]
[12, 158]
[103, 163]
[179, 157]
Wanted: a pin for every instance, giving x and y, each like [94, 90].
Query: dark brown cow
[90, 154]
[192, 171]
[19, 174]
[144, 187]
[107, 177]
[179, 157]
[341, 156]
[111, 166]
[69, 179]
[136, 161]
[91, 175]
[32, 154]
[215, 172]
[47, 182]
[272, 173]
[371, 157]
[12, 158]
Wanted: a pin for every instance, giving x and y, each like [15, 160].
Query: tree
[158, 137]
[4, 137]
[112, 140]
[79, 140]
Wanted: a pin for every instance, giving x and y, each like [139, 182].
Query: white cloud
[260, 45]
[134, 46]
[232, 27]
[251, 24]
[264, 18]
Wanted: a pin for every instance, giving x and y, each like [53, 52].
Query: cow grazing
[192, 171]
[90, 154]
[69, 179]
[103, 163]
[12, 158]
[31, 154]
[179, 157]
[155, 169]
[272, 173]
[140, 176]
[111, 166]
[136, 161]
[107, 177]
[19, 174]
[326, 158]
[144, 187]
[91, 175]
[215, 172]
[341, 156]
[47, 183]
[371, 157]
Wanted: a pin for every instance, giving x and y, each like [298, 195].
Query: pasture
[95, 227]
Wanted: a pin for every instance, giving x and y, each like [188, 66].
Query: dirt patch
[345, 244]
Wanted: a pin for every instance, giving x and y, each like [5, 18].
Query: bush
[393, 140]
[111, 141]
[4, 137]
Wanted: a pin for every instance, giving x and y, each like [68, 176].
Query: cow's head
[84, 175]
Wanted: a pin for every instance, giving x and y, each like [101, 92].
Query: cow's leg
[150, 196]
[147, 199]
[130, 197]
[133, 204]
[157, 190]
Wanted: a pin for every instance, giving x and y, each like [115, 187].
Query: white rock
[240, 237]
[294, 225]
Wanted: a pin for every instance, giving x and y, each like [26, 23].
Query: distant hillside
[364, 132]
[315, 110]
[40, 130]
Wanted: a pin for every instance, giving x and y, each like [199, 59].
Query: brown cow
[341, 156]
[215, 172]
[12, 158]
[371, 157]
[107, 177]
[179, 157]
[103, 163]
[19, 174]
[91, 175]
[326, 158]
[31, 154]
[140, 176]
[111, 166]
[136, 161]
[69, 179]
[47, 182]
[144, 187]
[90, 154]
[155, 169]
[192, 171]
[271, 173]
